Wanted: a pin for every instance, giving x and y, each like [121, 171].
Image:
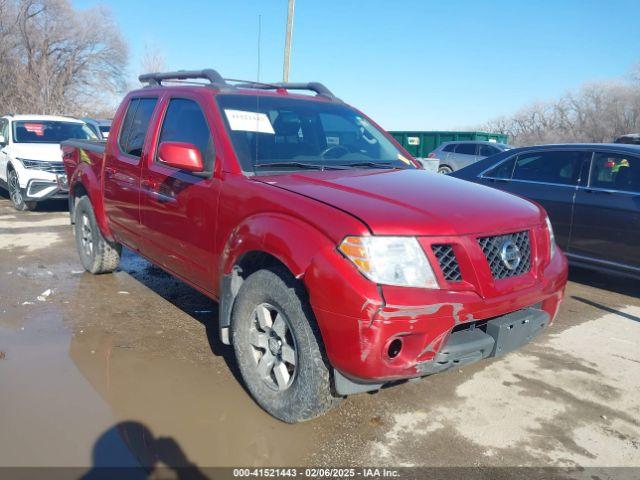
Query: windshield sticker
[403, 159]
[249, 121]
[36, 128]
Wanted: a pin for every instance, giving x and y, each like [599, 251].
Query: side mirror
[183, 156]
[3, 141]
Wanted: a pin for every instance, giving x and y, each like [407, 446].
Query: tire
[97, 254]
[274, 296]
[445, 169]
[17, 195]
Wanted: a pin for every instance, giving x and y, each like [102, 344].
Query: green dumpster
[421, 143]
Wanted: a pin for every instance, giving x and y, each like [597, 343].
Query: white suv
[31, 166]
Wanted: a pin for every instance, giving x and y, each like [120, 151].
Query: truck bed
[96, 146]
[83, 158]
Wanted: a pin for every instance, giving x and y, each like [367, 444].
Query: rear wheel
[278, 347]
[16, 194]
[445, 169]
[97, 254]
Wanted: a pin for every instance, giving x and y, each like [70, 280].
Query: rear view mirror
[183, 156]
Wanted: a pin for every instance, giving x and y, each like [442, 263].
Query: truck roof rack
[156, 79]
[216, 80]
[317, 87]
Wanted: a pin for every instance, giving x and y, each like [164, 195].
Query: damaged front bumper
[406, 333]
[473, 342]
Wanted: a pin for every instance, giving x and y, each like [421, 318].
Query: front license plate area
[516, 329]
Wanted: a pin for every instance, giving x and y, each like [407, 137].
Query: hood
[413, 202]
[49, 152]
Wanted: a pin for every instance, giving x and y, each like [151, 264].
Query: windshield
[272, 132]
[36, 131]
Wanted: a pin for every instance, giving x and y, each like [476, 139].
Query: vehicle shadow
[47, 206]
[615, 283]
[600, 306]
[188, 299]
[129, 450]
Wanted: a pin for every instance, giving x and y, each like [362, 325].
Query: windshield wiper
[369, 164]
[310, 166]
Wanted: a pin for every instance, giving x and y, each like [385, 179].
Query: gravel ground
[126, 368]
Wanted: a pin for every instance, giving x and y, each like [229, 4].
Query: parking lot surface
[126, 368]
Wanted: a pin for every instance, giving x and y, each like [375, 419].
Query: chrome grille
[492, 246]
[448, 262]
[51, 167]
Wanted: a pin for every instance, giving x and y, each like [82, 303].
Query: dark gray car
[590, 191]
[100, 127]
[456, 155]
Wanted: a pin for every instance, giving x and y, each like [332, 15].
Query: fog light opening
[394, 348]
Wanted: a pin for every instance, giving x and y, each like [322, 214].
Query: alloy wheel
[15, 192]
[274, 347]
[86, 236]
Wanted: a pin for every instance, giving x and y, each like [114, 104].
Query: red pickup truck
[339, 265]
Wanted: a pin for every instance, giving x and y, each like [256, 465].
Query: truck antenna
[259, 38]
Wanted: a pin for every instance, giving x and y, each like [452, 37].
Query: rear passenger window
[185, 122]
[466, 148]
[502, 171]
[135, 125]
[614, 171]
[487, 150]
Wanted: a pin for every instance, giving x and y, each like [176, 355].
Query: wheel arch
[85, 182]
[264, 241]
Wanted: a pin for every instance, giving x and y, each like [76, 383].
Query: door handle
[149, 185]
[109, 172]
[591, 190]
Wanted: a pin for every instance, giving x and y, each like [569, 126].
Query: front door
[548, 177]
[179, 208]
[606, 223]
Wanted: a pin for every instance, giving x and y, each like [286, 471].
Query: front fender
[332, 282]
[290, 240]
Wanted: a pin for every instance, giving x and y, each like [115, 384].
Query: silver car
[456, 155]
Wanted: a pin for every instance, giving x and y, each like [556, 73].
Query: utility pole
[287, 41]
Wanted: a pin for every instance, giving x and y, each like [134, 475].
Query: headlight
[552, 238]
[35, 164]
[390, 260]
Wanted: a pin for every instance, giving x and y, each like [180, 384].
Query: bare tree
[152, 59]
[58, 60]
[598, 112]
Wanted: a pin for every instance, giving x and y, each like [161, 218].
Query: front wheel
[278, 347]
[16, 195]
[97, 254]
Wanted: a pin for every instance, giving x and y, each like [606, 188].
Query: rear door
[485, 151]
[179, 209]
[465, 154]
[122, 171]
[606, 222]
[550, 178]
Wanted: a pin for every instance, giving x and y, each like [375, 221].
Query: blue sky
[409, 64]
